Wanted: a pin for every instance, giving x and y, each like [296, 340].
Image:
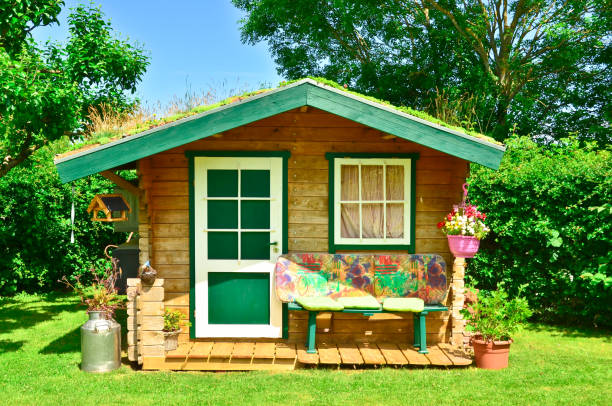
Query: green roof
[239, 111]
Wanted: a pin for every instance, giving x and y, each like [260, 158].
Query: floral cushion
[360, 302]
[403, 304]
[320, 303]
[353, 275]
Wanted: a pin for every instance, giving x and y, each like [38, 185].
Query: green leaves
[45, 91]
[549, 212]
[555, 240]
[545, 71]
[497, 317]
[35, 248]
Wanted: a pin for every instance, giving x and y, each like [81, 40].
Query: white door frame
[203, 265]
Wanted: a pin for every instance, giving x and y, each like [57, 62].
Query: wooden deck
[245, 356]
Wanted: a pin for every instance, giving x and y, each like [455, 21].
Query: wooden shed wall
[308, 134]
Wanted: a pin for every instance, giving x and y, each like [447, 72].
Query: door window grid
[384, 202]
[239, 199]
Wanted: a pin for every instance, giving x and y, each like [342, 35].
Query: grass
[39, 364]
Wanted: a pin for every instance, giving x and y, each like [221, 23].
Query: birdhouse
[113, 206]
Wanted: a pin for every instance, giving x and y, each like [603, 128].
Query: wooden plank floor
[245, 356]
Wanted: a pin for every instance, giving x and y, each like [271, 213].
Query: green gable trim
[285, 155]
[402, 125]
[180, 133]
[304, 93]
[333, 247]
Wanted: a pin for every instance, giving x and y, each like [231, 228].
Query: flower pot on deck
[492, 354]
[171, 340]
[463, 246]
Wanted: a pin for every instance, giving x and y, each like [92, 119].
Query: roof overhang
[305, 92]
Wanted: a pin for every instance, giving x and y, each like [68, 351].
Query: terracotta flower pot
[492, 354]
[463, 246]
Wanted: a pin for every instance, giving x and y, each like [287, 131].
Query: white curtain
[372, 190]
[395, 211]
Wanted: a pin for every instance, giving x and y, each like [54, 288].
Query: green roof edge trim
[306, 92]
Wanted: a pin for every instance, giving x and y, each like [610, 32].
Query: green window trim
[285, 155]
[333, 247]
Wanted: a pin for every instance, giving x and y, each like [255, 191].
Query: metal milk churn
[100, 343]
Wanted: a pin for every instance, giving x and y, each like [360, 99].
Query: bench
[382, 277]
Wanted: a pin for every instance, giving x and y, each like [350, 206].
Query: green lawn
[39, 364]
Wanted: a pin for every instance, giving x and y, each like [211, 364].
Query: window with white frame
[372, 202]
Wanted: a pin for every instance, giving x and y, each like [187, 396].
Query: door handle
[273, 243]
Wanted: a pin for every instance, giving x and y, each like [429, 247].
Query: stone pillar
[145, 322]
[458, 298]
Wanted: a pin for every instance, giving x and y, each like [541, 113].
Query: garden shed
[302, 171]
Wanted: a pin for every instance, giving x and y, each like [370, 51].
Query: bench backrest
[337, 275]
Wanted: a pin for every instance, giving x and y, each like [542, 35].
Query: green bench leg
[285, 321]
[312, 329]
[423, 333]
[417, 334]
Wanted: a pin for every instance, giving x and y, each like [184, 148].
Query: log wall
[308, 134]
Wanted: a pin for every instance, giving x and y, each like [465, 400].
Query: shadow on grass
[70, 342]
[10, 346]
[574, 332]
[16, 313]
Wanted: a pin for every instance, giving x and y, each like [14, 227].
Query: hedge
[35, 248]
[549, 210]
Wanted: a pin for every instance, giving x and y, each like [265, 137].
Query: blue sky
[189, 41]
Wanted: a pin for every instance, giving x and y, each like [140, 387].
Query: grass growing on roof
[137, 126]
[39, 360]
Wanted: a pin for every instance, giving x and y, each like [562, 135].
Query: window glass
[350, 182]
[373, 201]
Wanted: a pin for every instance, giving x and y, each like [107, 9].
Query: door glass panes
[255, 183]
[222, 245]
[255, 245]
[238, 214]
[222, 183]
[223, 214]
[255, 214]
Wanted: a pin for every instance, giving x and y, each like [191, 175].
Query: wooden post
[458, 298]
[145, 319]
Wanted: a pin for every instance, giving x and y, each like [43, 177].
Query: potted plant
[172, 328]
[101, 334]
[464, 228]
[495, 318]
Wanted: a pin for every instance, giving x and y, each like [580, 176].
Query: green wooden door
[238, 237]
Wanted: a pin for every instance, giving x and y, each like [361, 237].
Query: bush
[495, 316]
[35, 248]
[545, 232]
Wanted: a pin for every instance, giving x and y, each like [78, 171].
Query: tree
[46, 90]
[532, 64]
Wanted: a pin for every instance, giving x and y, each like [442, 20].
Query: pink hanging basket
[463, 246]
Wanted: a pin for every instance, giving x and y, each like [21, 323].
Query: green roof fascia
[303, 93]
[180, 132]
[403, 125]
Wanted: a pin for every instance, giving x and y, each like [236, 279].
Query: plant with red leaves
[101, 295]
